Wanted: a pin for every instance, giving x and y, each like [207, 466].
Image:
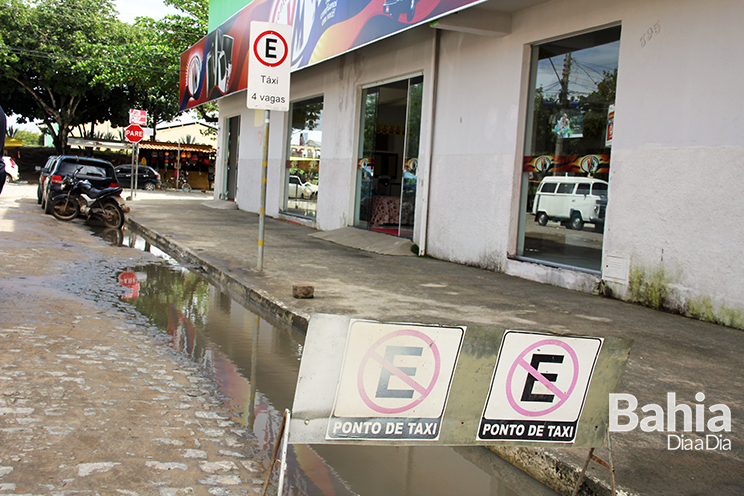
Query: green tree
[29, 138]
[45, 53]
[595, 106]
[150, 61]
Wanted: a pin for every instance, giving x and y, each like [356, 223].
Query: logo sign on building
[539, 387]
[138, 117]
[394, 382]
[268, 66]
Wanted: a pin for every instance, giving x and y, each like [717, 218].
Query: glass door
[231, 164]
[388, 158]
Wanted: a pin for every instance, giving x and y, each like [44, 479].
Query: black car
[147, 177]
[100, 173]
[44, 176]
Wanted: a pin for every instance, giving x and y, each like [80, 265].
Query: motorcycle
[80, 198]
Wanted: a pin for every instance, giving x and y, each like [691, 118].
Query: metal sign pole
[282, 439]
[262, 212]
[267, 89]
[285, 442]
[131, 182]
[135, 169]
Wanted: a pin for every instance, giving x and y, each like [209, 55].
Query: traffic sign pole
[131, 183]
[262, 212]
[267, 89]
[135, 170]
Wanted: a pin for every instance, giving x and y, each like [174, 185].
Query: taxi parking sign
[364, 382]
[395, 381]
[538, 388]
[268, 66]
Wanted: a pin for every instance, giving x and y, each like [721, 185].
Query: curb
[555, 473]
[540, 463]
[182, 254]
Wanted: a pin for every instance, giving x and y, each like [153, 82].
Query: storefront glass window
[567, 150]
[303, 158]
[388, 165]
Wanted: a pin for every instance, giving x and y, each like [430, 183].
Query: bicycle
[179, 182]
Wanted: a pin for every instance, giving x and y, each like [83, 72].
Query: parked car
[11, 168]
[571, 200]
[147, 177]
[100, 173]
[44, 177]
[298, 189]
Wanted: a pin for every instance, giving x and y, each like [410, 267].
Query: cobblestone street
[90, 401]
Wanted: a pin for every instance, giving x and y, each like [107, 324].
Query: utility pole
[563, 104]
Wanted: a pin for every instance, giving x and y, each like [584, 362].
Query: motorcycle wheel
[64, 210]
[113, 216]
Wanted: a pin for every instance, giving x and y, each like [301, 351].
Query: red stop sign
[128, 279]
[134, 133]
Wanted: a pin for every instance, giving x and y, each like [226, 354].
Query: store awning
[13, 143]
[160, 145]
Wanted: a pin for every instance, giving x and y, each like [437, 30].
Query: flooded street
[254, 361]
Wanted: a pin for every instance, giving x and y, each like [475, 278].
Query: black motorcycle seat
[97, 193]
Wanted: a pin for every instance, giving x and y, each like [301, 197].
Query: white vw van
[571, 200]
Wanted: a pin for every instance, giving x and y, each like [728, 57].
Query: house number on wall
[650, 32]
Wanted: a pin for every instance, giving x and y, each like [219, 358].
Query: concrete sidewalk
[670, 353]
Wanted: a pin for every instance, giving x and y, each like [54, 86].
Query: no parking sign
[538, 388]
[395, 381]
[376, 383]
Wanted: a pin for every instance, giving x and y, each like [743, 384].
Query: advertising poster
[578, 164]
[321, 29]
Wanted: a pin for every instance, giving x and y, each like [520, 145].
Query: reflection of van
[571, 200]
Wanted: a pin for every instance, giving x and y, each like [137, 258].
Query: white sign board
[364, 382]
[395, 381]
[610, 125]
[538, 388]
[138, 117]
[268, 66]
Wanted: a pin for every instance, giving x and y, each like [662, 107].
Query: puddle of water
[255, 364]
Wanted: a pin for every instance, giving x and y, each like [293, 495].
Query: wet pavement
[670, 353]
[128, 373]
[94, 399]
[255, 363]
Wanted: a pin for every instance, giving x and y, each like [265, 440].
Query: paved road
[91, 402]
[670, 353]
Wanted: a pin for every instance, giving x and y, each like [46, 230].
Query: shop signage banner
[217, 65]
[367, 382]
[580, 164]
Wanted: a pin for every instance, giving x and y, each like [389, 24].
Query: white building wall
[674, 192]
[672, 222]
[675, 189]
[340, 82]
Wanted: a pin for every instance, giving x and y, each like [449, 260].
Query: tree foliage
[150, 61]
[70, 63]
[44, 54]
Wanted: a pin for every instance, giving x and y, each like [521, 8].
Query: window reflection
[567, 152]
[303, 158]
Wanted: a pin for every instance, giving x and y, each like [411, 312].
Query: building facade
[446, 131]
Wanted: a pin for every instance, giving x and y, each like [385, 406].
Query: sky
[129, 9]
